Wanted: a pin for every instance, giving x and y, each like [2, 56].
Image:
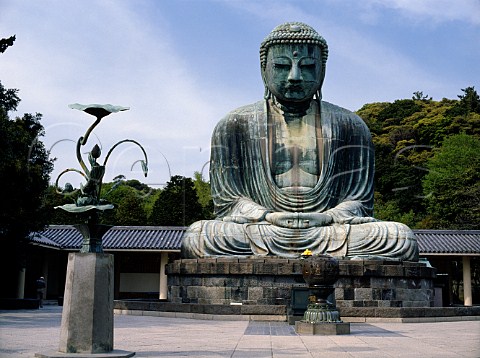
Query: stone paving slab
[113, 354]
[26, 332]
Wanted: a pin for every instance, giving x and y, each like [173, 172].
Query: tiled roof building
[458, 242]
[130, 238]
[169, 238]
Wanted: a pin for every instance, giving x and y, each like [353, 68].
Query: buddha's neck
[292, 111]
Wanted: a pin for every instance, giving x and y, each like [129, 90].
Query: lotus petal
[98, 110]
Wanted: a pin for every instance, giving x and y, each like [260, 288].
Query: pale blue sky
[182, 65]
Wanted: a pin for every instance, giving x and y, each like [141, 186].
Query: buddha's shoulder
[259, 107]
[249, 109]
[341, 113]
[334, 109]
[243, 115]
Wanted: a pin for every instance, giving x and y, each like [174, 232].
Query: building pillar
[45, 274]
[467, 281]
[117, 269]
[163, 277]
[21, 283]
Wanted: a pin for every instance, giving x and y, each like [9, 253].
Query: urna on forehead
[293, 33]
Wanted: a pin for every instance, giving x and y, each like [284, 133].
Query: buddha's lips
[294, 88]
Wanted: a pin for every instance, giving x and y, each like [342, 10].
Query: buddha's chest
[294, 154]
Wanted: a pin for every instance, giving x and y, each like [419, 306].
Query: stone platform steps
[202, 311]
[279, 312]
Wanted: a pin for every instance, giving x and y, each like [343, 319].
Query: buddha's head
[293, 59]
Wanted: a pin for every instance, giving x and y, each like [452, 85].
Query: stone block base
[87, 317]
[331, 328]
[275, 281]
[353, 314]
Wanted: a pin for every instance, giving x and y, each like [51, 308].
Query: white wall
[139, 282]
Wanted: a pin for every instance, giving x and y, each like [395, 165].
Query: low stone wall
[278, 313]
[384, 284]
[270, 281]
[199, 309]
[409, 314]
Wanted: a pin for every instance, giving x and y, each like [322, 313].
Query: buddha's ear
[322, 78]
[267, 94]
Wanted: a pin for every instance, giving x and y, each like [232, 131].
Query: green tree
[419, 96]
[452, 185]
[397, 177]
[52, 199]
[130, 211]
[203, 190]
[469, 102]
[128, 200]
[24, 174]
[177, 205]
[404, 134]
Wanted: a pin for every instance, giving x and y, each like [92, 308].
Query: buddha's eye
[281, 66]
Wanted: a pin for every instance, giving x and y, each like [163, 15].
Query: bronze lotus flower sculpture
[89, 198]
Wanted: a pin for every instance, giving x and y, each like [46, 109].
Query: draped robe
[244, 191]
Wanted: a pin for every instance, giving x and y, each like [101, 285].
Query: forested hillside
[427, 157]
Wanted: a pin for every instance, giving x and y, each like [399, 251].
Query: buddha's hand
[238, 219]
[298, 220]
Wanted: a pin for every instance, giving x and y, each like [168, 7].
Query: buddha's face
[293, 72]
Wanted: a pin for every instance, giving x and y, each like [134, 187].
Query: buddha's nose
[295, 74]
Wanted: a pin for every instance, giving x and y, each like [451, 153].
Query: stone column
[21, 283]
[163, 277]
[87, 318]
[45, 274]
[467, 282]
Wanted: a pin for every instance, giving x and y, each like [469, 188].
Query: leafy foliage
[53, 199]
[130, 211]
[178, 204]
[128, 198]
[24, 175]
[406, 134]
[452, 185]
[24, 170]
[204, 195]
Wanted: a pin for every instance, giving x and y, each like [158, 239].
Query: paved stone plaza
[23, 333]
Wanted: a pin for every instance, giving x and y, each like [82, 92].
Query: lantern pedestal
[322, 328]
[321, 317]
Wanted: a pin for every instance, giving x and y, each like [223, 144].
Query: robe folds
[244, 191]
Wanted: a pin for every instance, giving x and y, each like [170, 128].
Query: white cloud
[437, 10]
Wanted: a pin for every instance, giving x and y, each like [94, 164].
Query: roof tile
[157, 238]
[161, 238]
[448, 241]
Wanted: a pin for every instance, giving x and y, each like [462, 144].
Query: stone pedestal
[270, 286]
[269, 281]
[330, 328]
[87, 318]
